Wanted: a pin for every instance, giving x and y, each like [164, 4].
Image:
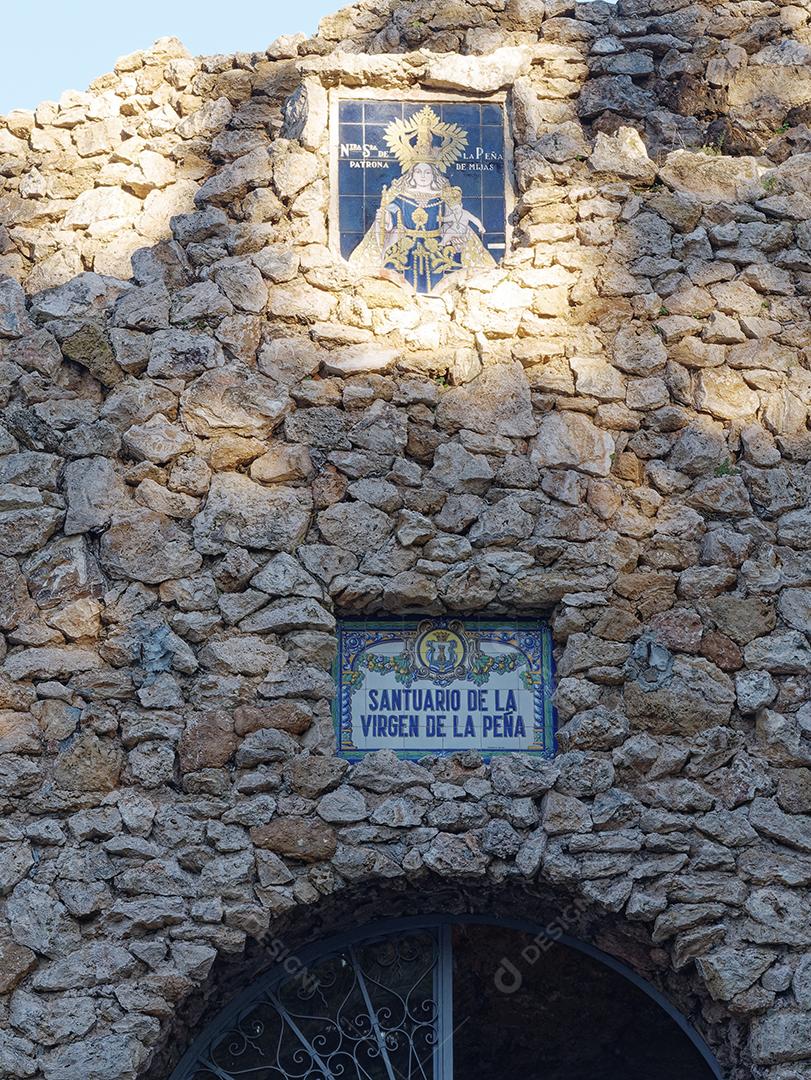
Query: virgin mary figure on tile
[422, 232]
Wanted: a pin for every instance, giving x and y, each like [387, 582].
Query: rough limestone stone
[502, 67]
[87, 966]
[15, 862]
[40, 921]
[343, 806]
[356, 526]
[780, 1037]
[105, 1057]
[729, 971]
[623, 154]
[26, 530]
[89, 764]
[238, 511]
[618, 94]
[496, 403]
[571, 440]
[102, 204]
[695, 696]
[95, 495]
[781, 654]
[712, 177]
[301, 839]
[359, 359]
[233, 400]
[460, 471]
[17, 961]
[148, 547]
[157, 440]
[51, 1022]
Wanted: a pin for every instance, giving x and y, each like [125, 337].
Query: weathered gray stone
[233, 400]
[15, 862]
[281, 616]
[238, 511]
[731, 970]
[355, 526]
[460, 471]
[180, 354]
[51, 1021]
[776, 917]
[236, 178]
[521, 776]
[781, 654]
[502, 525]
[39, 920]
[618, 94]
[95, 494]
[157, 440]
[450, 855]
[90, 965]
[101, 1057]
[145, 546]
[343, 806]
[793, 830]
[383, 772]
[780, 1036]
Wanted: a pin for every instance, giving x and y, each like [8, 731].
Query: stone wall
[205, 460]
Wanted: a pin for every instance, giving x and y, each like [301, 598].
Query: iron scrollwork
[369, 1012]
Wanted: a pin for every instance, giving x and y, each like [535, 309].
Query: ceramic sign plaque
[421, 188]
[439, 685]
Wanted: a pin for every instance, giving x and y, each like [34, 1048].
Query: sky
[57, 45]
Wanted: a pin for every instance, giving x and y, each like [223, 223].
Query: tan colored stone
[208, 741]
[294, 717]
[725, 395]
[89, 764]
[303, 839]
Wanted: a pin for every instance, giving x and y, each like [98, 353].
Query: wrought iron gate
[379, 1009]
[374, 1004]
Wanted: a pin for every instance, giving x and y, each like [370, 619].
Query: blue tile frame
[531, 636]
[365, 163]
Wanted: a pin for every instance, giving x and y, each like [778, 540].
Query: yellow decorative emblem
[412, 141]
[440, 650]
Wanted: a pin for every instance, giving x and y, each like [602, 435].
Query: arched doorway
[445, 997]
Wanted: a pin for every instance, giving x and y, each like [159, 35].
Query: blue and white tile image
[366, 164]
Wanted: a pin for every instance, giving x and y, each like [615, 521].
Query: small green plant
[784, 127]
[769, 184]
[664, 310]
[726, 469]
